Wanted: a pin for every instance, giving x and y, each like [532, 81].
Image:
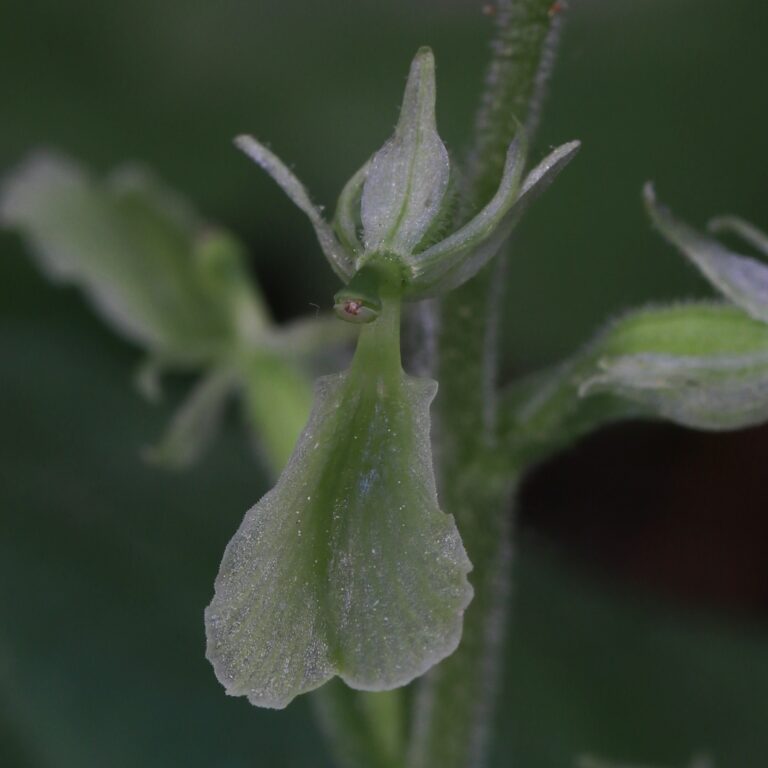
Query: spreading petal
[340, 260]
[408, 176]
[742, 280]
[463, 254]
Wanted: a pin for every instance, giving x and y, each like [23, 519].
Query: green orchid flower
[176, 287]
[348, 567]
[700, 365]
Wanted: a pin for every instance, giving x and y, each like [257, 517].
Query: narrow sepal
[432, 264]
[347, 567]
[346, 220]
[341, 261]
[741, 279]
[408, 177]
[462, 255]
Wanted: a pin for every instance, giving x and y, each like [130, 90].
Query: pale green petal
[408, 177]
[433, 263]
[347, 567]
[195, 423]
[340, 260]
[742, 280]
[463, 254]
[347, 221]
[703, 393]
[746, 231]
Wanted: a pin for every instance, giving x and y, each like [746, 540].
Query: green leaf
[742, 280]
[408, 177]
[341, 261]
[347, 567]
[132, 247]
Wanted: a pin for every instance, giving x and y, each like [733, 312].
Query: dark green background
[106, 564]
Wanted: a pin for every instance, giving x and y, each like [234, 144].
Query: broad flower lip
[347, 567]
[396, 202]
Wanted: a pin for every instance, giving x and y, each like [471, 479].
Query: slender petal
[340, 260]
[742, 280]
[347, 221]
[408, 177]
[460, 256]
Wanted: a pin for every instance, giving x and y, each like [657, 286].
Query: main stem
[454, 709]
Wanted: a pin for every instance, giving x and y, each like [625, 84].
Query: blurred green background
[106, 563]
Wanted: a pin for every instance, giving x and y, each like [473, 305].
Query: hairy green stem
[455, 701]
[364, 730]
